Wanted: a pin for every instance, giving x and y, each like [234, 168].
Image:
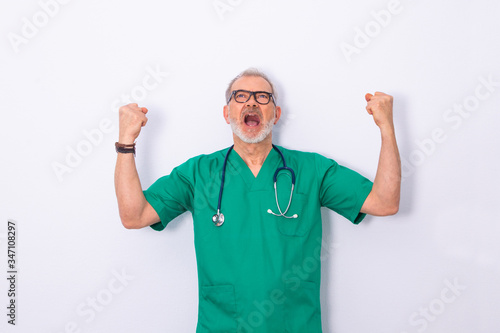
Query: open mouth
[252, 120]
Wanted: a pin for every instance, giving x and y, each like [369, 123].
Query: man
[258, 245]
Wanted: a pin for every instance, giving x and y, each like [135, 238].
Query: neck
[253, 154]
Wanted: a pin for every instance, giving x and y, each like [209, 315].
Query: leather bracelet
[125, 148]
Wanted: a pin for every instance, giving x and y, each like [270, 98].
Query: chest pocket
[303, 207]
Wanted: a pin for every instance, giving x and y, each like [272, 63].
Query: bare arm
[384, 197]
[135, 211]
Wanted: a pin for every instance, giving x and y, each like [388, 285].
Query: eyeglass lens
[242, 96]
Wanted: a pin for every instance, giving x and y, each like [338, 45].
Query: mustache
[248, 110]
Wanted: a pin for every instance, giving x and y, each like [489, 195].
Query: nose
[252, 101]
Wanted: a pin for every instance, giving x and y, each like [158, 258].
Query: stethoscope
[218, 218]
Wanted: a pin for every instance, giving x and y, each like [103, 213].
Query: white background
[386, 275]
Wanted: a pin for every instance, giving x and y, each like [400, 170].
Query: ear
[226, 113]
[278, 114]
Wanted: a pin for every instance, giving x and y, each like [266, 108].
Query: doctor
[256, 210]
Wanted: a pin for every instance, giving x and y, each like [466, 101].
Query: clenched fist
[379, 106]
[132, 119]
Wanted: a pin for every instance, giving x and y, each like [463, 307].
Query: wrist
[387, 129]
[126, 140]
[125, 148]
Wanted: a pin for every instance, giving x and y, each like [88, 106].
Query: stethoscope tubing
[223, 177]
[218, 218]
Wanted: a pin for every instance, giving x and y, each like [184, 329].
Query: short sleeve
[170, 196]
[344, 190]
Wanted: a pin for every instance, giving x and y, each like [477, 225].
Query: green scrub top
[258, 272]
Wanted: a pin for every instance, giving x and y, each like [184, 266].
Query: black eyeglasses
[243, 96]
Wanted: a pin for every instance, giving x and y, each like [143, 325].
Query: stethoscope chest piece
[218, 219]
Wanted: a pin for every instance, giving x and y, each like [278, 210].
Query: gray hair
[251, 72]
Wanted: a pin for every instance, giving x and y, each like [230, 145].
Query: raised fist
[132, 119]
[379, 106]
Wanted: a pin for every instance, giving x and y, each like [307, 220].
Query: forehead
[252, 83]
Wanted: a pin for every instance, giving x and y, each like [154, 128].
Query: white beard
[268, 127]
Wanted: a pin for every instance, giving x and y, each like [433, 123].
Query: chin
[252, 137]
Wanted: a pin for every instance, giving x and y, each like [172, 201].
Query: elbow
[391, 209]
[130, 223]
[377, 206]
[391, 206]
[385, 209]
[137, 218]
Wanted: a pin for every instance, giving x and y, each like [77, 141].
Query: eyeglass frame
[252, 93]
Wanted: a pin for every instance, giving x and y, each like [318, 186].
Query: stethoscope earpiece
[294, 216]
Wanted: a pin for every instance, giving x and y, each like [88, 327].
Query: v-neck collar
[264, 178]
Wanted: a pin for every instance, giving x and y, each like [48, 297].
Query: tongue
[252, 121]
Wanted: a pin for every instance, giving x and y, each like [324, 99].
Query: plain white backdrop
[66, 66]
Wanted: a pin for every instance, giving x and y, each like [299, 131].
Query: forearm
[387, 183]
[131, 200]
